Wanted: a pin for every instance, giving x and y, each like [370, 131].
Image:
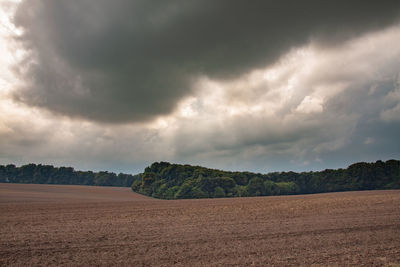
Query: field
[82, 225]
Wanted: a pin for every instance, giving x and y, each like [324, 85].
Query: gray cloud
[351, 93]
[261, 86]
[129, 61]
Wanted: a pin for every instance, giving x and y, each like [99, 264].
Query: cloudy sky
[238, 85]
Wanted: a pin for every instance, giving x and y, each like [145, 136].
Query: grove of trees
[173, 181]
[48, 174]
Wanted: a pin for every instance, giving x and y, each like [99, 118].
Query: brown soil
[81, 226]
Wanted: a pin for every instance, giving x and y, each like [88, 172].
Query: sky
[255, 85]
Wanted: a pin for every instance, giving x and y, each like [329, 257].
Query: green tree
[170, 192]
[147, 180]
[241, 191]
[219, 192]
[269, 187]
[287, 188]
[256, 187]
[185, 190]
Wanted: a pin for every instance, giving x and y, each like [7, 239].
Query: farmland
[88, 225]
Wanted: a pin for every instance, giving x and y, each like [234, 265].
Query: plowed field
[81, 226]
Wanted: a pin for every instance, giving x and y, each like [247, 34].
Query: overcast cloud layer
[120, 61]
[244, 85]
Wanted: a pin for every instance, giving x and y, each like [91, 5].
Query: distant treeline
[48, 174]
[174, 181]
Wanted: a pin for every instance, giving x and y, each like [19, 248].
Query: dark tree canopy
[172, 181]
[48, 174]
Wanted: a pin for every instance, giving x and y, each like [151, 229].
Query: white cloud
[369, 141]
[392, 114]
[310, 104]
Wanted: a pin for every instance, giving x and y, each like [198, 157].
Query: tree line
[48, 174]
[174, 181]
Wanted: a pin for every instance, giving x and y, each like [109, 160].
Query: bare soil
[83, 225]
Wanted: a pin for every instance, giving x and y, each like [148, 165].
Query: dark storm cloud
[120, 61]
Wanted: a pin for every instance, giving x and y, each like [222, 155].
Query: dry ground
[81, 226]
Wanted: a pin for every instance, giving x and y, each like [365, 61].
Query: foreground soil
[81, 226]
